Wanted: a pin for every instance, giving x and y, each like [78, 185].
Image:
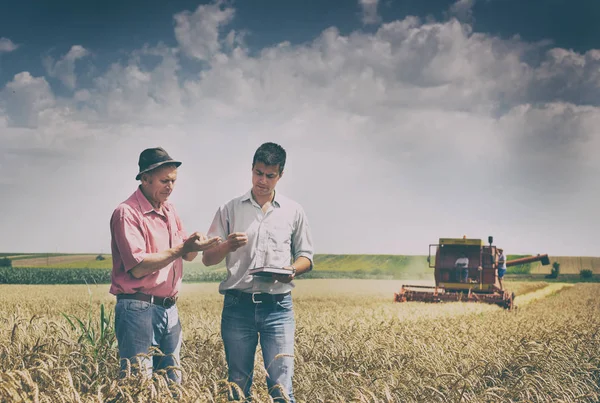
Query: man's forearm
[302, 265]
[215, 255]
[156, 261]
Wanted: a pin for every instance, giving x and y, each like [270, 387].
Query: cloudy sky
[404, 120]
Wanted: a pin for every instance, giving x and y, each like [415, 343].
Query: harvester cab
[465, 269]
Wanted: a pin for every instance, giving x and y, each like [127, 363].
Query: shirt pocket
[178, 238]
[280, 237]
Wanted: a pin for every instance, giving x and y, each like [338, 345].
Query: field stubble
[352, 345]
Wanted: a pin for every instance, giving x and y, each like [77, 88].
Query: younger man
[261, 228]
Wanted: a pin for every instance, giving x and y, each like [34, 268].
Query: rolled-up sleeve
[220, 224]
[129, 238]
[302, 244]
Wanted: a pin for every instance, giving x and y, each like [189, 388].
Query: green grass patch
[353, 266]
[351, 263]
[371, 266]
[21, 256]
[83, 264]
[44, 275]
[519, 269]
[39, 275]
[399, 267]
[326, 266]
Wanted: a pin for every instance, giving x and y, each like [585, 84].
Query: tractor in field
[477, 279]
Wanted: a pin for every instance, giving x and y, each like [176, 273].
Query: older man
[148, 244]
[261, 228]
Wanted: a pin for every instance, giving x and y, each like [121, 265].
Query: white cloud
[463, 10]
[568, 75]
[417, 131]
[6, 45]
[198, 33]
[369, 15]
[64, 68]
[129, 93]
[26, 99]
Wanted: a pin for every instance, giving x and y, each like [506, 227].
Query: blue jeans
[140, 325]
[501, 272]
[241, 324]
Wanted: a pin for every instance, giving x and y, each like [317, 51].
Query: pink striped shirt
[138, 230]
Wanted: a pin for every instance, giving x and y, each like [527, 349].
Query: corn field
[353, 344]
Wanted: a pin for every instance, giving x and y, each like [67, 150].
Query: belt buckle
[254, 299]
[168, 302]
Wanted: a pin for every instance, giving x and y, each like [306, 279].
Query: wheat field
[353, 344]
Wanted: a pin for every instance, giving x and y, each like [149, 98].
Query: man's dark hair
[270, 154]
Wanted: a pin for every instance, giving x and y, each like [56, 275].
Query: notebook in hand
[268, 271]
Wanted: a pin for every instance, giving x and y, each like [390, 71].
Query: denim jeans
[501, 272]
[140, 325]
[241, 324]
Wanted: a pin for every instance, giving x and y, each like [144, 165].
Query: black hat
[152, 158]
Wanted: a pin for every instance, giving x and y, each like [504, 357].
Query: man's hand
[236, 240]
[285, 278]
[199, 242]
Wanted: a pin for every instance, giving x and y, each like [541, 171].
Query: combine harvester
[482, 284]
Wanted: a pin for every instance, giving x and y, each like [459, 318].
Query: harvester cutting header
[466, 270]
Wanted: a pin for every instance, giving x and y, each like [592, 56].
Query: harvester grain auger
[481, 281]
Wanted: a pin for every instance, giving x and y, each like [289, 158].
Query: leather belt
[257, 297]
[165, 302]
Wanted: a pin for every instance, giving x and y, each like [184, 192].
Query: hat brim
[154, 166]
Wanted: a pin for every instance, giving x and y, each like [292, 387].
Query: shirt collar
[145, 204]
[247, 196]
[276, 199]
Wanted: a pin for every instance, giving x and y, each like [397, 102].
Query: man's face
[159, 183]
[264, 178]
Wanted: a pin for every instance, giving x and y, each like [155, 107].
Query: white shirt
[276, 237]
[462, 263]
[502, 261]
